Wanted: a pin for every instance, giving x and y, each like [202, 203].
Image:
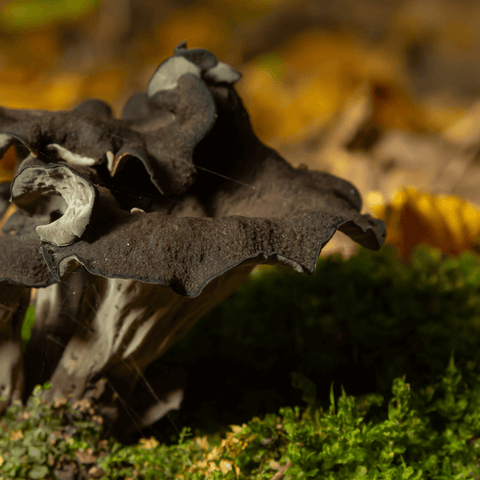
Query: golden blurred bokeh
[303, 66]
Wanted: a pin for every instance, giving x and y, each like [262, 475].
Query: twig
[279, 475]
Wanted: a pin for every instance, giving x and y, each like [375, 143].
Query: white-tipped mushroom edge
[78, 193]
[167, 74]
[223, 73]
[71, 157]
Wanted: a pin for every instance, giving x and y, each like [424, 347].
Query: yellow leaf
[16, 435]
[466, 130]
[149, 444]
[7, 165]
[306, 82]
[214, 453]
[442, 221]
[237, 428]
[202, 442]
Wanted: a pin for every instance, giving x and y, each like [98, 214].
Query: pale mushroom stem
[132, 324]
[13, 303]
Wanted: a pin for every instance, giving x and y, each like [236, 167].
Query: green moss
[382, 330]
[360, 323]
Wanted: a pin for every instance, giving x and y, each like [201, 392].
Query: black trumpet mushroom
[131, 229]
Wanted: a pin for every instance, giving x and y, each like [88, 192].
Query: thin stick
[279, 475]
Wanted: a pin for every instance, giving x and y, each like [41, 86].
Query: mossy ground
[402, 340]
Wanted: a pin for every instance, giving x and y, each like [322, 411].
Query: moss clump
[360, 322]
[369, 325]
[403, 441]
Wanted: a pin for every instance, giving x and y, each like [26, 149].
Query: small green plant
[381, 330]
[35, 438]
[405, 440]
[340, 443]
[359, 322]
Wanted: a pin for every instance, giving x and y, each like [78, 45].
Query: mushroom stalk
[13, 303]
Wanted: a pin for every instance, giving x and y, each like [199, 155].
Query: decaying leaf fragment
[136, 227]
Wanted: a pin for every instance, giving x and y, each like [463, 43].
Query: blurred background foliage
[381, 92]
[384, 93]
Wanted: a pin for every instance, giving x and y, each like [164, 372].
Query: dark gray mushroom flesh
[131, 229]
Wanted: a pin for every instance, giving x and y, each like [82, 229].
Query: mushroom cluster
[131, 229]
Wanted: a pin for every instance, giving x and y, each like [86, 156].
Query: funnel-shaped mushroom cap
[136, 227]
[176, 193]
